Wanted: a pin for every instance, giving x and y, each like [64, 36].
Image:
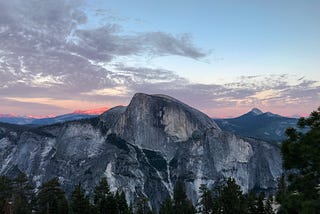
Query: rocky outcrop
[143, 148]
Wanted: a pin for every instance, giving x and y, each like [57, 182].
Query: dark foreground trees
[51, 199]
[16, 195]
[301, 159]
[179, 204]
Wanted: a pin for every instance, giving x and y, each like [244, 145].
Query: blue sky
[244, 37]
[222, 57]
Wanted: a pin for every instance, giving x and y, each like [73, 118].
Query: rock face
[143, 149]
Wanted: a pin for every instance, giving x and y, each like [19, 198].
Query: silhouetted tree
[251, 203]
[122, 203]
[268, 206]
[181, 203]
[51, 198]
[142, 206]
[79, 202]
[22, 194]
[103, 199]
[166, 206]
[5, 193]
[206, 204]
[229, 198]
[260, 205]
[301, 159]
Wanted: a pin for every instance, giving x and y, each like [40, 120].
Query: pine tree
[166, 206]
[22, 195]
[122, 204]
[260, 205]
[5, 192]
[79, 201]
[51, 198]
[142, 206]
[206, 205]
[281, 188]
[230, 198]
[182, 204]
[105, 202]
[101, 192]
[301, 159]
[268, 207]
[251, 203]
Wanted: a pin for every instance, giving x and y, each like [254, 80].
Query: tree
[166, 206]
[79, 201]
[142, 206]
[101, 193]
[5, 192]
[105, 202]
[51, 199]
[122, 203]
[229, 198]
[181, 203]
[301, 159]
[282, 186]
[268, 206]
[260, 205]
[22, 194]
[205, 202]
[251, 203]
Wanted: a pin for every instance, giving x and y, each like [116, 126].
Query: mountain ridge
[142, 149]
[257, 124]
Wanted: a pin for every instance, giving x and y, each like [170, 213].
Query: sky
[221, 57]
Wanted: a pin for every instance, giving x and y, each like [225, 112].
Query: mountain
[266, 126]
[44, 121]
[143, 149]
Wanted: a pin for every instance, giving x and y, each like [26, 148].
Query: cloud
[45, 49]
[106, 43]
[36, 109]
[48, 55]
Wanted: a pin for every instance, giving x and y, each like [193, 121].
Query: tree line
[298, 189]
[18, 197]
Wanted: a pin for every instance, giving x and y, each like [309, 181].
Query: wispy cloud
[49, 58]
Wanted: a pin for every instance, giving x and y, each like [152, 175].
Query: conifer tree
[181, 203]
[22, 194]
[101, 192]
[301, 159]
[51, 198]
[166, 206]
[229, 199]
[268, 206]
[105, 202]
[205, 202]
[142, 206]
[260, 205]
[251, 203]
[122, 204]
[79, 203]
[5, 192]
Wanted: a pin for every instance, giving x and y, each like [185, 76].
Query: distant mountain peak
[256, 111]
